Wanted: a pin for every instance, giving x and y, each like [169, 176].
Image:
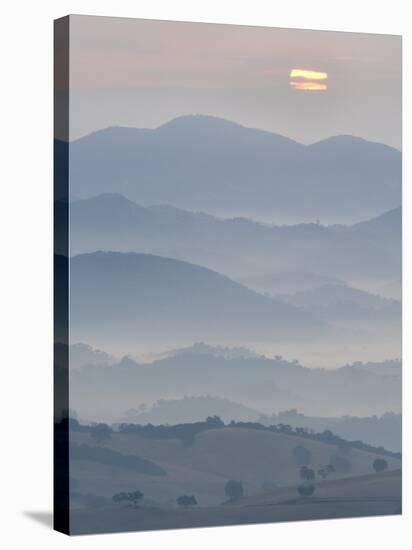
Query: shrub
[130, 499]
[380, 465]
[186, 501]
[307, 474]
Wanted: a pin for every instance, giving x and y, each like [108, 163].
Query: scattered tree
[234, 489]
[380, 465]
[302, 455]
[307, 474]
[186, 501]
[214, 422]
[131, 499]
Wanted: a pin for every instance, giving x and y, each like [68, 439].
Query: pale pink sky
[130, 72]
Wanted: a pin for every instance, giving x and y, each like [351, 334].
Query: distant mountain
[289, 282]
[343, 303]
[206, 163]
[124, 296]
[260, 383]
[191, 409]
[81, 355]
[390, 368]
[215, 351]
[382, 431]
[241, 248]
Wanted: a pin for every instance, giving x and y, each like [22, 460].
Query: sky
[143, 73]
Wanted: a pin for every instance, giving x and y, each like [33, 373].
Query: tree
[323, 473]
[101, 432]
[380, 465]
[214, 422]
[186, 501]
[130, 499]
[302, 455]
[234, 489]
[306, 489]
[307, 474]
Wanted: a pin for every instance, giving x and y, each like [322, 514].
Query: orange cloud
[311, 86]
[310, 75]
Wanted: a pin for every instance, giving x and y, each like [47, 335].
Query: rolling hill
[374, 495]
[262, 460]
[129, 295]
[264, 384]
[206, 163]
[341, 303]
[241, 248]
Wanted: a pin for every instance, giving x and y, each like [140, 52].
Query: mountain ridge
[208, 163]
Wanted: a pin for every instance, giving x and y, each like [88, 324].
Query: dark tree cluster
[131, 499]
[186, 501]
[326, 471]
[380, 465]
[307, 474]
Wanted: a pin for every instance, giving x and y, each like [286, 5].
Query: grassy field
[256, 458]
[369, 495]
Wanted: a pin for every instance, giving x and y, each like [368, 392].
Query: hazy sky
[130, 72]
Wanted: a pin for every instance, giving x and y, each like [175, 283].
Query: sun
[308, 80]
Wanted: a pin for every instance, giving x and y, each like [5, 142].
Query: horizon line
[230, 121]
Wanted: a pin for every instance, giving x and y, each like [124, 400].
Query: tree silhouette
[131, 499]
[186, 501]
[307, 474]
[380, 465]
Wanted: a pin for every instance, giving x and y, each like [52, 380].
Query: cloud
[311, 86]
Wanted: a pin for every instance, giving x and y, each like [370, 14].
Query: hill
[384, 430]
[201, 162]
[262, 460]
[374, 495]
[191, 409]
[241, 248]
[342, 304]
[119, 295]
[260, 383]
